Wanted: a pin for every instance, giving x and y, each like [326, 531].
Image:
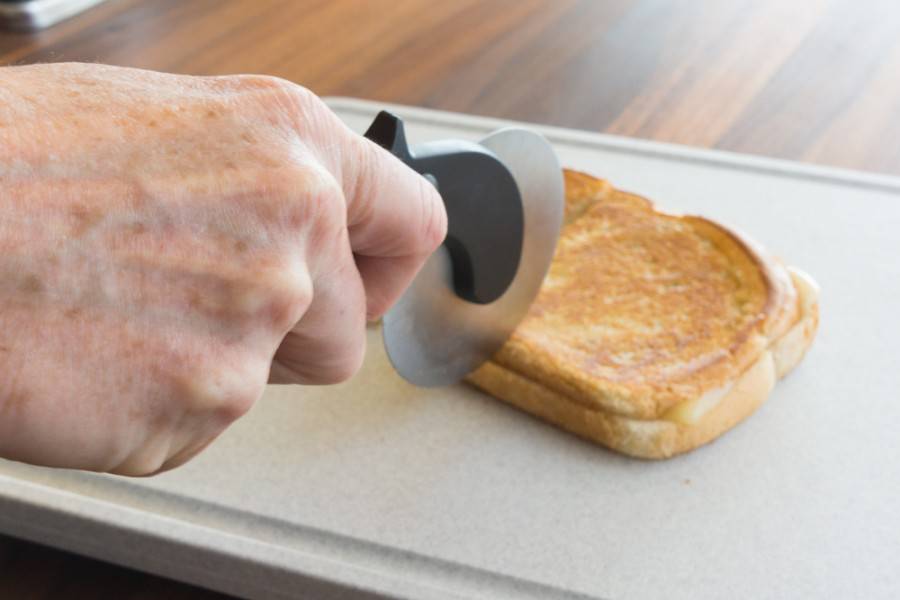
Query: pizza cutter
[504, 198]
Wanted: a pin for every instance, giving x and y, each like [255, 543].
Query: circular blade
[432, 336]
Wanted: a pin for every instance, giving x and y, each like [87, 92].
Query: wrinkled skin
[168, 244]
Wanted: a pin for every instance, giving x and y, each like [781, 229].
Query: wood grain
[812, 80]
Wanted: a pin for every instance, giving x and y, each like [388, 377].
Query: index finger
[395, 218]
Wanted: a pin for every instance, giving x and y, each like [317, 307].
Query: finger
[395, 218]
[391, 274]
[328, 344]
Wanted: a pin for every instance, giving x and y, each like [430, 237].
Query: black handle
[485, 222]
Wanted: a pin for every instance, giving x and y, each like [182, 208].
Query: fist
[170, 244]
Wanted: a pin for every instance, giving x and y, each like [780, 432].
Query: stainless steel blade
[432, 336]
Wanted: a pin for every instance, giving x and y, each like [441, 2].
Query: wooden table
[810, 80]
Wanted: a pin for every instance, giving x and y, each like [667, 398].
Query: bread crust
[637, 419]
[663, 438]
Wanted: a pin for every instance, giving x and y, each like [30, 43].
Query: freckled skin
[31, 285]
[170, 244]
[84, 219]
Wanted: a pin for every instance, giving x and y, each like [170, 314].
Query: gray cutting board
[377, 487]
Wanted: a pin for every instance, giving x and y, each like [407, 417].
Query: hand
[168, 244]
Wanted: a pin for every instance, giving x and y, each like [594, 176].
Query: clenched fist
[168, 244]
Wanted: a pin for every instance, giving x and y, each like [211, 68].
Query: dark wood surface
[811, 80]
[32, 572]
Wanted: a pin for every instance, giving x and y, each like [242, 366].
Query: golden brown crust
[663, 438]
[641, 309]
[642, 439]
[648, 318]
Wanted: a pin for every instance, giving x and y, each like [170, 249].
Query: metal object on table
[504, 198]
[32, 15]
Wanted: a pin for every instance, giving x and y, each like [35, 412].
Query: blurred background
[809, 80]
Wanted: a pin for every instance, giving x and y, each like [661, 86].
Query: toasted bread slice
[653, 333]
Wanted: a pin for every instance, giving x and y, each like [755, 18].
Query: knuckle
[304, 196]
[283, 92]
[307, 104]
[327, 224]
[225, 394]
[281, 102]
[264, 83]
[272, 296]
[290, 293]
[314, 183]
[234, 406]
